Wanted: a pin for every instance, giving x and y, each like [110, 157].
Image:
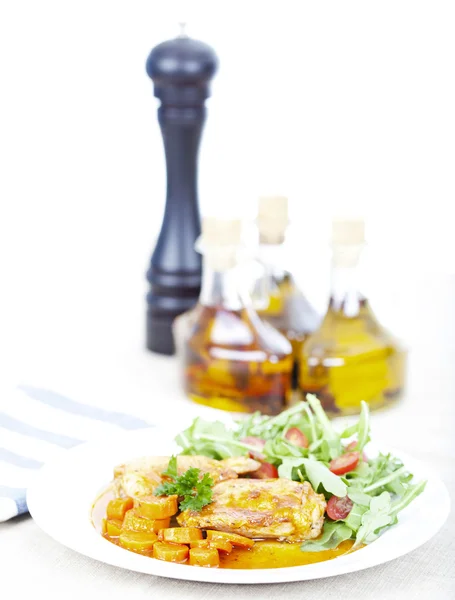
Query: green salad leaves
[377, 488]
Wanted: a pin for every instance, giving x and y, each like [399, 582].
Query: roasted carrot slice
[117, 508]
[111, 527]
[221, 545]
[204, 557]
[132, 522]
[137, 541]
[170, 552]
[180, 535]
[234, 538]
[104, 526]
[155, 507]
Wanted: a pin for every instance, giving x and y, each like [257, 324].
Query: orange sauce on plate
[268, 554]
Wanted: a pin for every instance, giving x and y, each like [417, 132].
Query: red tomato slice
[254, 441]
[339, 508]
[297, 437]
[344, 463]
[265, 471]
[351, 446]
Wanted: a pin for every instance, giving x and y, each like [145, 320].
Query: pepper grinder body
[181, 70]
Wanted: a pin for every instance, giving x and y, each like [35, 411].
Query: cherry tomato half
[265, 471]
[339, 508]
[351, 447]
[297, 437]
[254, 441]
[344, 463]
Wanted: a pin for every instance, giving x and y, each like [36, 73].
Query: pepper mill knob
[182, 63]
[181, 70]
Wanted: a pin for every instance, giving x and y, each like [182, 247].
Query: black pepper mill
[181, 70]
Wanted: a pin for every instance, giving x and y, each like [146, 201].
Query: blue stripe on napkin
[61, 402]
[17, 495]
[18, 463]
[40, 434]
[18, 460]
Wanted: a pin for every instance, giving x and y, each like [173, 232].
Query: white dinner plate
[61, 499]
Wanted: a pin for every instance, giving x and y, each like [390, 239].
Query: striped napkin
[35, 426]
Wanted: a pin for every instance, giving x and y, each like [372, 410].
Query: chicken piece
[241, 464]
[142, 475]
[262, 508]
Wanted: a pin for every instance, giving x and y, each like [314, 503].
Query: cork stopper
[220, 242]
[273, 219]
[221, 232]
[348, 232]
[348, 239]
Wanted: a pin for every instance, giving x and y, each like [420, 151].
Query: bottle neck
[221, 287]
[345, 296]
[272, 257]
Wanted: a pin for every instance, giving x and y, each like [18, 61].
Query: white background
[348, 107]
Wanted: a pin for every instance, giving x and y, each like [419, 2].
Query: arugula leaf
[317, 474]
[361, 473]
[350, 431]
[286, 469]
[324, 452]
[211, 439]
[363, 427]
[195, 491]
[280, 448]
[385, 480]
[359, 497]
[411, 493]
[374, 519]
[354, 518]
[269, 428]
[330, 436]
[332, 536]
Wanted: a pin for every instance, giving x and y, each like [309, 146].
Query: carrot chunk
[236, 540]
[170, 552]
[204, 557]
[111, 527]
[117, 508]
[137, 541]
[221, 545]
[133, 522]
[180, 535]
[155, 507]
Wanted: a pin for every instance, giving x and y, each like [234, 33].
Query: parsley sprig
[195, 491]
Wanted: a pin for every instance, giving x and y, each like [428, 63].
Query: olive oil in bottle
[280, 301]
[232, 359]
[351, 357]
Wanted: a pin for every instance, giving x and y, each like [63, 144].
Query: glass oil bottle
[232, 359]
[351, 357]
[279, 300]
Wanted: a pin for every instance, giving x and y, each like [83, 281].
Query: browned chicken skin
[262, 508]
[141, 476]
